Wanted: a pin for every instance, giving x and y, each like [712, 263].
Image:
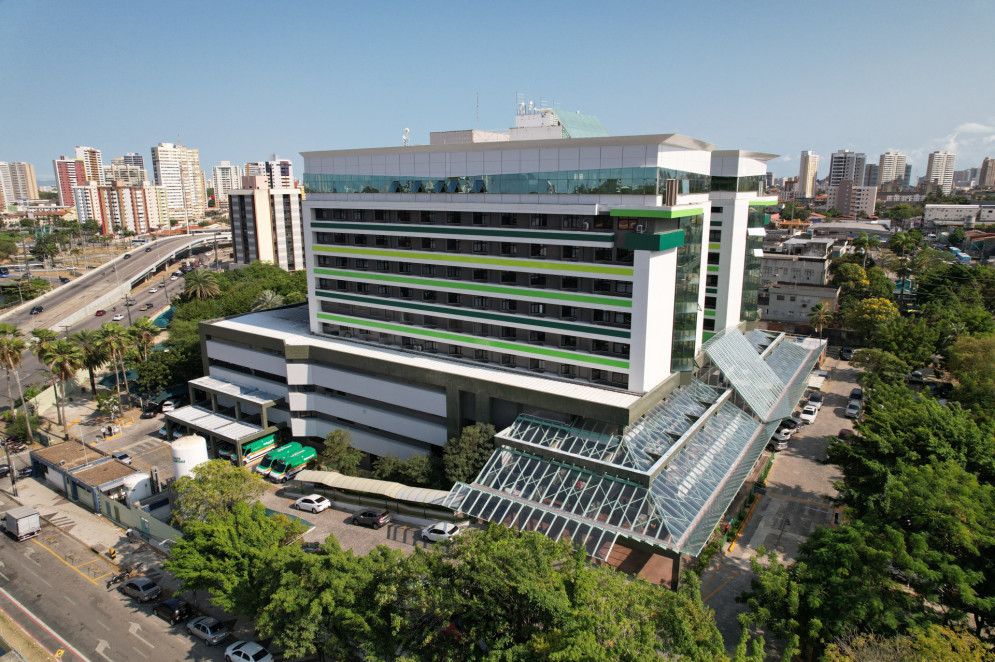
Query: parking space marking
[68, 564]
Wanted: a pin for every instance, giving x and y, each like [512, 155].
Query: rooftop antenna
[405, 138]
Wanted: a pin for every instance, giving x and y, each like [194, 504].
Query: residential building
[891, 169]
[807, 172]
[17, 180]
[133, 159]
[119, 206]
[93, 166]
[590, 297]
[965, 178]
[266, 224]
[797, 261]
[120, 170]
[226, 178]
[6, 186]
[986, 176]
[851, 200]
[256, 169]
[792, 303]
[870, 177]
[846, 165]
[280, 173]
[68, 174]
[907, 180]
[966, 216]
[940, 170]
[178, 169]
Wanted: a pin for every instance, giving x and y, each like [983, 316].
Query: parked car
[816, 400]
[63, 280]
[857, 394]
[787, 429]
[782, 434]
[146, 306]
[312, 547]
[915, 377]
[853, 409]
[4, 470]
[118, 317]
[808, 414]
[127, 256]
[440, 531]
[314, 503]
[247, 651]
[100, 313]
[176, 433]
[208, 628]
[846, 353]
[142, 589]
[168, 405]
[173, 610]
[26, 472]
[151, 412]
[373, 517]
[37, 309]
[121, 456]
[174, 277]
[845, 435]
[226, 450]
[789, 423]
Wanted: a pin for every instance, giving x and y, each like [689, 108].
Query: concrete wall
[135, 518]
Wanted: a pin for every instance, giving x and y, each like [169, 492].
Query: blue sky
[242, 80]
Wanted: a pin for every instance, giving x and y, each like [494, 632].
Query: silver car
[142, 589]
[208, 628]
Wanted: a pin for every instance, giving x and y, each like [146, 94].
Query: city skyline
[400, 82]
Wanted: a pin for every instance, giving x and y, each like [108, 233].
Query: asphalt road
[55, 588]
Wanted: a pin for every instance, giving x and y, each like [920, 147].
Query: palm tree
[40, 339]
[64, 359]
[143, 332]
[8, 330]
[95, 355]
[115, 340]
[267, 299]
[860, 243]
[201, 284]
[819, 317]
[12, 348]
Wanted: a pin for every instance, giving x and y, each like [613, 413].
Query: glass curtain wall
[686, 294]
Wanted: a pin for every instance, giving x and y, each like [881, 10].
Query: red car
[101, 312]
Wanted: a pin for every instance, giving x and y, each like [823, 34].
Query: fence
[349, 500]
[139, 520]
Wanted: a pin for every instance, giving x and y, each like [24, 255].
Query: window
[382, 240]
[453, 299]
[600, 345]
[427, 243]
[383, 290]
[404, 216]
[537, 364]
[568, 312]
[404, 242]
[452, 245]
[479, 302]
[709, 324]
[716, 210]
[538, 220]
[428, 295]
[508, 332]
[383, 265]
[508, 219]
[537, 336]
[508, 360]
[602, 255]
[509, 277]
[780, 297]
[537, 250]
[480, 354]
[509, 248]
[339, 238]
[715, 236]
[619, 378]
[568, 341]
[622, 318]
[359, 239]
[428, 270]
[405, 292]
[509, 304]
[363, 288]
[341, 285]
[569, 282]
[479, 218]
[338, 214]
[431, 346]
[623, 287]
[711, 280]
[567, 370]
[601, 285]
[453, 217]
[620, 348]
[404, 267]
[597, 375]
[537, 280]
[537, 308]
[357, 214]
[379, 215]
[710, 303]
[570, 252]
[452, 272]
[361, 264]
[713, 258]
[480, 274]
[481, 247]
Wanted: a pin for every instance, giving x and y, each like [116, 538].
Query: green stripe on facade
[713, 267]
[711, 290]
[527, 293]
[715, 247]
[484, 261]
[473, 340]
[709, 313]
[657, 213]
[479, 232]
[380, 302]
[767, 202]
[705, 335]
[654, 242]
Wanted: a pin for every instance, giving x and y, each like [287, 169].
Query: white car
[440, 531]
[816, 400]
[174, 277]
[247, 651]
[808, 414]
[118, 317]
[314, 503]
[153, 290]
[168, 405]
[853, 409]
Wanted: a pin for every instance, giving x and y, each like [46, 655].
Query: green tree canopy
[464, 456]
[213, 487]
[338, 453]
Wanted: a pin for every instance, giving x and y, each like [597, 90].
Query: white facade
[807, 173]
[178, 169]
[139, 209]
[226, 178]
[6, 185]
[846, 165]
[266, 226]
[940, 169]
[121, 171]
[93, 165]
[891, 168]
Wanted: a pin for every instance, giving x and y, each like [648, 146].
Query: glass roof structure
[667, 478]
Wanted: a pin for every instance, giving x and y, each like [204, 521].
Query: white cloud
[973, 127]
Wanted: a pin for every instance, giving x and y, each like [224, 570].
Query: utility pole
[10, 465]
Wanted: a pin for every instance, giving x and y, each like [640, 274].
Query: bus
[254, 450]
[288, 467]
[283, 451]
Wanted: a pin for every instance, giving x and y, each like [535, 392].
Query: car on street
[100, 313]
[853, 409]
[26, 472]
[440, 531]
[150, 412]
[142, 589]
[121, 456]
[208, 628]
[247, 651]
[857, 394]
[372, 517]
[130, 302]
[174, 277]
[148, 249]
[846, 353]
[816, 400]
[313, 503]
[37, 309]
[63, 280]
[808, 414]
[153, 290]
[172, 611]
[4, 470]
[118, 317]
[146, 306]
[126, 256]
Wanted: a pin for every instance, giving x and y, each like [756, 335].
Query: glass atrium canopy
[666, 479]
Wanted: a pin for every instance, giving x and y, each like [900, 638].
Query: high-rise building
[986, 176]
[119, 206]
[845, 164]
[281, 173]
[256, 169]
[891, 168]
[851, 200]
[590, 297]
[808, 170]
[93, 166]
[7, 196]
[907, 179]
[133, 159]
[178, 169]
[68, 173]
[25, 184]
[870, 177]
[266, 224]
[226, 178]
[120, 170]
[940, 170]
[965, 178]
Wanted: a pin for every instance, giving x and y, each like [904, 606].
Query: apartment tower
[891, 168]
[808, 172]
[178, 169]
[845, 164]
[68, 173]
[940, 170]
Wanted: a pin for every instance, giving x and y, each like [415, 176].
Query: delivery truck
[22, 523]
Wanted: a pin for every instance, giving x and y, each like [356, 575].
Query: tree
[144, 333]
[868, 315]
[95, 354]
[791, 210]
[972, 362]
[819, 317]
[833, 212]
[338, 453]
[957, 236]
[933, 643]
[464, 456]
[234, 554]
[850, 278]
[12, 348]
[64, 359]
[200, 284]
[115, 341]
[420, 470]
[214, 487]
[267, 299]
